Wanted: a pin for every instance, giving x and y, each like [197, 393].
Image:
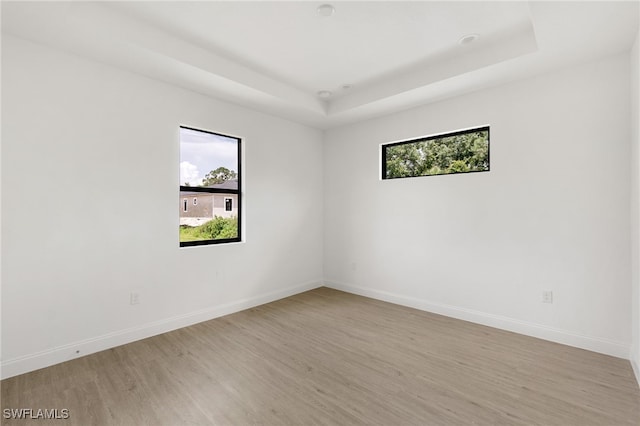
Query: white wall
[552, 214]
[89, 174]
[89, 193]
[635, 204]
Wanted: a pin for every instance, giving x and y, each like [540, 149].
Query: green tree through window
[459, 152]
[210, 185]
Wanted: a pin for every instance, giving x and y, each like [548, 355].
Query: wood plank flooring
[330, 358]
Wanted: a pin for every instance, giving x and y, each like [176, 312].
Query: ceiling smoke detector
[468, 39]
[326, 10]
[324, 94]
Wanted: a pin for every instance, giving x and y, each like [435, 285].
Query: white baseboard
[608, 347]
[636, 370]
[31, 362]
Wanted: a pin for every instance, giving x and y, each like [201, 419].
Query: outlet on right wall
[552, 214]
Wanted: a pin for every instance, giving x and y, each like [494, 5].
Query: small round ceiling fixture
[347, 86]
[324, 94]
[468, 39]
[326, 10]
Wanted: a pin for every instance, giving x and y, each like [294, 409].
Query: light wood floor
[327, 357]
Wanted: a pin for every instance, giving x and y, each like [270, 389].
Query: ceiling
[374, 57]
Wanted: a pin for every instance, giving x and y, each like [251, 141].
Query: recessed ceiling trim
[133, 44]
[437, 69]
[152, 42]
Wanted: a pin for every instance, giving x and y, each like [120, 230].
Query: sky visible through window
[202, 152]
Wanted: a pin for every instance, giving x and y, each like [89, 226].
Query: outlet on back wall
[547, 296]
[134, 298]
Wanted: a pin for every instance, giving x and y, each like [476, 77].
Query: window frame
[237, 191]
[384, 146]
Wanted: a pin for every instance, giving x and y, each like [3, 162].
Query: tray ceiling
[277, 56]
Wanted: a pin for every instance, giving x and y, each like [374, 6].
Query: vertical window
[184, 208]
[463, 151]
[209, 164]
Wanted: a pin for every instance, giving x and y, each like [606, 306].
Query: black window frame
[383, 165]
[237, 191]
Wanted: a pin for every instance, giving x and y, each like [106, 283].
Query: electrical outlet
[547, 296]
[134, 299]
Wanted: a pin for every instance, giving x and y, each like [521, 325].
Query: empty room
[332, 213]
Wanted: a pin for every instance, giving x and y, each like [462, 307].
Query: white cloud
[189, 173]
[208, 151]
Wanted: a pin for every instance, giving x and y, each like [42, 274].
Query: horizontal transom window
[463, 151]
